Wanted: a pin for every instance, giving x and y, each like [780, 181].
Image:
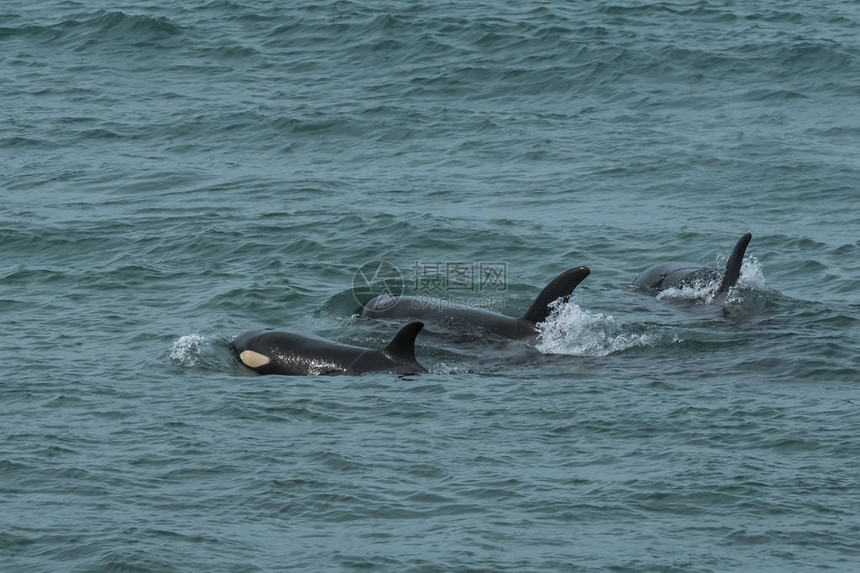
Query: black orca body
[274, 352]
[387, 306]
[663, 276]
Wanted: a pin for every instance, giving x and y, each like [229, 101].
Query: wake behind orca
[387, 306]
[668, 275]
[274, 352]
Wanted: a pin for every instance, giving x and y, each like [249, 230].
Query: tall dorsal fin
[402, 347]
[733, 265]
[561, 287]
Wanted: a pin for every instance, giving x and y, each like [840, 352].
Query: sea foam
[188, 350]
[571, 330]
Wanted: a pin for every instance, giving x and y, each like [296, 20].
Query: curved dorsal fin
[402, 346]
[733, 265]
[561, 287]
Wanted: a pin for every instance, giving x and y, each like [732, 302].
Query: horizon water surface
[176, 174]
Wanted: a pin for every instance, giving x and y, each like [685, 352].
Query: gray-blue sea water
[175, 173]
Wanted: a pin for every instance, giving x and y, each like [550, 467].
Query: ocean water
[175, 173]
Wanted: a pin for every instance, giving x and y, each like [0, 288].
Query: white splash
[752, 275]
[188, 350]
[751, 278]
[700, 291]
[445, 368]
[571, 330]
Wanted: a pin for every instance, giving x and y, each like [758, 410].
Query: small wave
[188, 350]
[574, 331]
[118, 28]
[152, 27]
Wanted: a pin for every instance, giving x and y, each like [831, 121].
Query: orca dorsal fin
[733, 265]
[402, 346]
[561, 287]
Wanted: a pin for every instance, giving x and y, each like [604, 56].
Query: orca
[275, 352]
[667, 275]
[388, 306]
